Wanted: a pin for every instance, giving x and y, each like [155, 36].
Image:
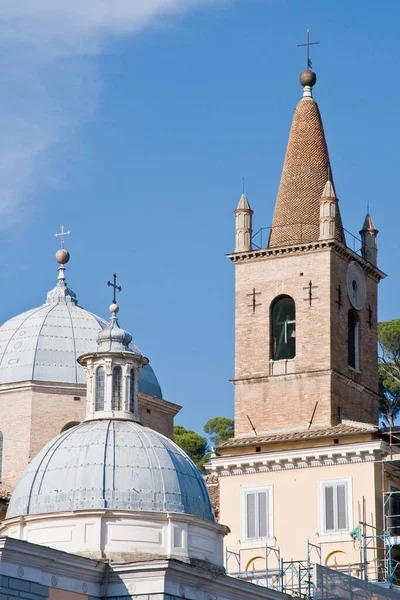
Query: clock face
[356, 285]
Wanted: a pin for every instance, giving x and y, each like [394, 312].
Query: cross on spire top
[62, 234]
[115, 286]
[308, 44]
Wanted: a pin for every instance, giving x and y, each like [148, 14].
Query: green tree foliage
[389, 369]
[219, 429]
[193, 444]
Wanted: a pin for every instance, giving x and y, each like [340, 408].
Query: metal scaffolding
[294, 577]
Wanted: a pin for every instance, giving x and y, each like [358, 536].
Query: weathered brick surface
[321, 373]
[10, 587]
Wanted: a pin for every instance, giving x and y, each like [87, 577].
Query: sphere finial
[308, 78]
[62, 256]
[114, 308]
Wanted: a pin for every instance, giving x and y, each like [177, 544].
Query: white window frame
[343, 534]
[256, 542]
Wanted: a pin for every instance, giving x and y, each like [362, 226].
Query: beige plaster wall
[296, 498]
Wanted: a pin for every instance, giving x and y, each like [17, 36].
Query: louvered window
[257, 514]
[336, 506]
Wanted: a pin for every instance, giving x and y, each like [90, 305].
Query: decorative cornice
[304, 458]
[134, 515]
[341, 249]
[160, 404]
[77, 389]
[50, 561]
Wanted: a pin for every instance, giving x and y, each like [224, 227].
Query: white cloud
[43, 98]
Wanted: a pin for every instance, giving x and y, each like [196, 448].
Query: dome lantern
[113, 372]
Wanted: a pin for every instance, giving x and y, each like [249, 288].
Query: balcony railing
[298, 233]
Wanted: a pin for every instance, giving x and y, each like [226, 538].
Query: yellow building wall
[297, 511]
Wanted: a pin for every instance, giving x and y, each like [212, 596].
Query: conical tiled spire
[244, 229]
[368, 224]
[305, 172]
[243, 203]
[369, 233]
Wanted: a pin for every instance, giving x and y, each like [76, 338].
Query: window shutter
[341, 507]
[329, 515]
[251, 516]
[263, 525]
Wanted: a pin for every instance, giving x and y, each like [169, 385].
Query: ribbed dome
[43, 344]
[119, 465]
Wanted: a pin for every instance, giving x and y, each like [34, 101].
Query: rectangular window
[257, 513]
[335, 506]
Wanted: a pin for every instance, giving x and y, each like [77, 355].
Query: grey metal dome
[43, 344]
[119, 465]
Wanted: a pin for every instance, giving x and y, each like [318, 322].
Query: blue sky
[134, 127]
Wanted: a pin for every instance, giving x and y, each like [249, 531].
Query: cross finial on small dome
[62, 255]
[116, 287]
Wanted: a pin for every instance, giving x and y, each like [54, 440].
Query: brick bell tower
[306, 305]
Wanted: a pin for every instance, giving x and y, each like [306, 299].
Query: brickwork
[284, 398]
[304, 175]
[12, 588]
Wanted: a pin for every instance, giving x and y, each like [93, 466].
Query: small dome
[119, 465]
[114, 339]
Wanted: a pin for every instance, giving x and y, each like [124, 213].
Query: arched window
[353, 332]
[1, 456]
[283, 328]
[99, 389]
[132, 392]
[116, 401]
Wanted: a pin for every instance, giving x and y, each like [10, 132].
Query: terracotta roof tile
[212, 483]
[309, 434]
[305, 172]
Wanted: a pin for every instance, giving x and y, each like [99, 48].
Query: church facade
[306, 475]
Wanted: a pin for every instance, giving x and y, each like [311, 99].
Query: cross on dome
[61, 234]
[115, 286]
